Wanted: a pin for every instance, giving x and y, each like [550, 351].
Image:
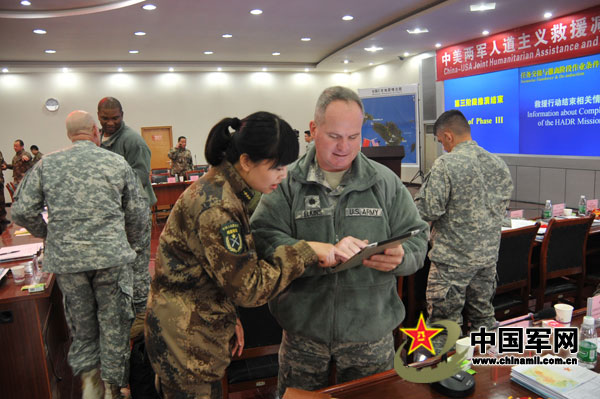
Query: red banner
[571, 36]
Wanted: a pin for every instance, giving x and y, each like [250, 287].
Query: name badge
[313, 213]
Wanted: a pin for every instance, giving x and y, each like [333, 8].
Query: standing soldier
[3, 219]
[182, 158]
[37, 155]
[96, 214]
[21, 162]
[123, 140]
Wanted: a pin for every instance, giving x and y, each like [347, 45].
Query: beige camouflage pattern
[206, 266]
[19, 166]
[181, 161]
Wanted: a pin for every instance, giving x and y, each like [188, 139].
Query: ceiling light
[264, 69]
[276, 53]
[119, 69]
[483, 6]
[134, 51]
[208, 52]
[26, 3]
[305, 39]
[416, 31]
[346, 61]
[373, 49]
[347, 17]
[219, 69]
[140, 33]
[547, 15]
[256, 12]
[39, 31]
[406, 53]
[65, 69]
[438, 45]
[227, 35]
[306, 69]
[345, 70]
[485, 32]
[4, 70]
[49, 51]
[171, 69]
[149, 7]
[370, 63]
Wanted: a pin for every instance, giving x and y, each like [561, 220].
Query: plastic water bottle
[547, 212]
[586, 355]
[582, 206]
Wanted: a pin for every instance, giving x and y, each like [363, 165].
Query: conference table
[33, 334]
[491, 382]
[168, 193]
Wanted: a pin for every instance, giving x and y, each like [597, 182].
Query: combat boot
[113, 392]
[92, 386]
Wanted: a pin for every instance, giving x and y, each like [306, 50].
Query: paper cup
[18, 273]
[464, 345]
[567, 212]
[564, 313]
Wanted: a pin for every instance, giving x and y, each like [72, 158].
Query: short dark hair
[453, 120]
[307, 132]
[20, 142]
[262, 135]
[109, 103]
[34, 147]
[181, 137]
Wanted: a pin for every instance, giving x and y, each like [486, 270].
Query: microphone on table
[549, 313]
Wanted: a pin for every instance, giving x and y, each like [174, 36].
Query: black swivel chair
[258, 365]
[514, 272]
[562, 261]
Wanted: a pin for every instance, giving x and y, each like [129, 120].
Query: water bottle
[547, 212]
[582, 206]
[586, 355]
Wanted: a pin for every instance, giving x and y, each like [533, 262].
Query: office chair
[562, 261]
[514, 272]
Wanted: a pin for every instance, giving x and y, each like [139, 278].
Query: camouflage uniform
[465, 195]
[182, 161]
[19, 166]
[348, 316]
[37, 157]
[128, 143]
[206, 265]
[2, 200]
[96, 213]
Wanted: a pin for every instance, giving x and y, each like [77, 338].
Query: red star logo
[421, 336]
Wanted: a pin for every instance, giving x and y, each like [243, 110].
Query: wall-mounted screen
[546, 109]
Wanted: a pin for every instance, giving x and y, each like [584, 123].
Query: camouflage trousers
[304, 363]
[452, 288]
[99, 314]
[199, 391]
[141, 273]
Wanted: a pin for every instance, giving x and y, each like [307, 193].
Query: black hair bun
[235, 123]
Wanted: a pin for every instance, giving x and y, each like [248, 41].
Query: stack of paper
[558, 382]
[17, 252]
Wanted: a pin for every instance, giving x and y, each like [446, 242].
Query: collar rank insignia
[232, 237]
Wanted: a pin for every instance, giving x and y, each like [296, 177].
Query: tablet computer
[374, 249]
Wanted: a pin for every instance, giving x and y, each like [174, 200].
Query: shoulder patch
[232, 237]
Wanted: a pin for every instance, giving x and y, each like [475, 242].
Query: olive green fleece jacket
[355, 305]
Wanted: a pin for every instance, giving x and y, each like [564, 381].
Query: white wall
[189, 102]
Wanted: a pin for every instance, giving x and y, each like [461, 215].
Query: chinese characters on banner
[574, 35]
